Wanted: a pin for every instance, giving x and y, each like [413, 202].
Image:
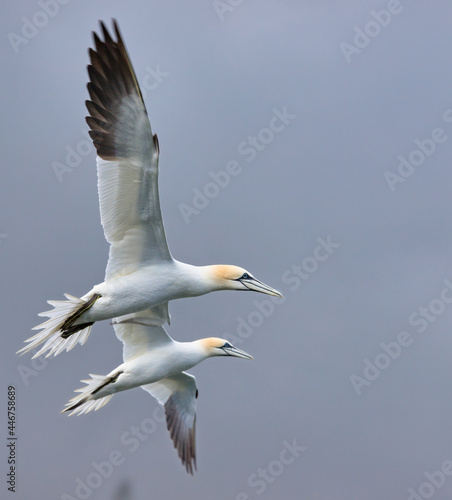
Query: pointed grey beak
[233, 351]
[257, 286]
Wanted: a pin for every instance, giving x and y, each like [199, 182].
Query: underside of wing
[142, 331]
[127, 159]
[177, 394]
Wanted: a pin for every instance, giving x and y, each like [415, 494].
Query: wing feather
[142, 331]
[177, 394]
[127, 159]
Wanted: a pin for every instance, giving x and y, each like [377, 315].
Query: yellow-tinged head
[220, 347]
[236, 278]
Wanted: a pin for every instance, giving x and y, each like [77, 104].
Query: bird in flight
[157, 363]
[141, 273]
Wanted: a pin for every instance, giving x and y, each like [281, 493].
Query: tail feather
[50, 333]
[62, 306]
[84, 403]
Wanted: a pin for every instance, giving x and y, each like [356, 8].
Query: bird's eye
[245, 276]
[227, 344]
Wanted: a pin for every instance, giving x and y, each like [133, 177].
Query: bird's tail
[58, 332]
[84, 402]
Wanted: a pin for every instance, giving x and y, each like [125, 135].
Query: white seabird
[141, 273]
[157, 363]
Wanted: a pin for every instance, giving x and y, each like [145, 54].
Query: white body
[154, 365]
[149, 286]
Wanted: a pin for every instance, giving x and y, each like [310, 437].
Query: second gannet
[157, 363]
[141, 273]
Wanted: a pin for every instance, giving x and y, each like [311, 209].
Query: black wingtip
[117, 32]
[103, 27]
[97, 41]
[107, 37]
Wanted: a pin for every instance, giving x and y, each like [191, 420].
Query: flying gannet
[141, 273]
[157, 363]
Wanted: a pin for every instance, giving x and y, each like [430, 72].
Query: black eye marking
[245, 276]
[227, 344]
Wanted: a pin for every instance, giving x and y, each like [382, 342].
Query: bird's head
[220, 347]
[237, 278]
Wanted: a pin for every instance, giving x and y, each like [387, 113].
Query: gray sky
[363, 410]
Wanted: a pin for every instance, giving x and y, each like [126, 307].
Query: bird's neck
[191, 353]
[198, 279]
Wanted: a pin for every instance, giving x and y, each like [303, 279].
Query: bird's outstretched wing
[142, 331]
[177, 394]
[127, 159]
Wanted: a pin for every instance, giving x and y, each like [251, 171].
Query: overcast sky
[309, 142]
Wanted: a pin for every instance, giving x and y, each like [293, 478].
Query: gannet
[157, 363]
[141, 272]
